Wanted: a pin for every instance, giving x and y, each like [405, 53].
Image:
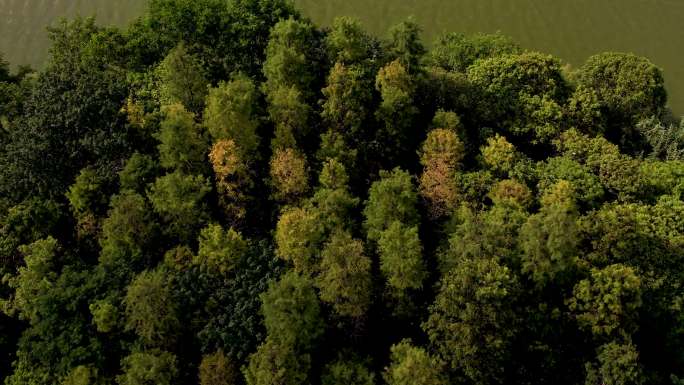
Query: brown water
[569, 29]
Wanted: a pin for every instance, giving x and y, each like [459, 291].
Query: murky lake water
[570, 29]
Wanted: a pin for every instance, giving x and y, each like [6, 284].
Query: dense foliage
[225, 193]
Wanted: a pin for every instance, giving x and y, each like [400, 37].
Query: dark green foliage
[25, 223]
[182, 143]
[150, 310]
[51, 142]
[180, 203]
[292, 312]
[392, 198]
[347, 372]
[231, 113]
[521, 94]
[292, 56]
[226, 36]
[156, 367]
[457, 52]
[232, 323]
[413, 365]
[126, 232]
[179, 200]
[182, 80]
[472, 322]
[139, 171]
[405, 45]
[628, 88]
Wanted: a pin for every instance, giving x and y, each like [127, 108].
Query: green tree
[401, 258]
[151, 367]
[345, 279]
[86, 196]
[46, 149]
[412, 365]
[347, 372]
[182, 144]
[182, 79]
[232, 113]
[332, 201]
[333, 175]
[587, 185]
[150, 309]
[405, 45]
[397, 110]
[233, 322]
[549, 240]
[105, 316]
[456, 52]
[629, 88]
[500, 155]
[299, 237]
[179, 201]
[585, 111]
[472, 322]
[617, 365]
[291, 56]
[290, 115]
[220, 250]
[33, 281]
[392, 198]
[24, 223]
[348, 43]
[521, 94]
[127, 232]
[607, 302]
[139, 171]
[292, 313]
[347, 97]
[274, 364]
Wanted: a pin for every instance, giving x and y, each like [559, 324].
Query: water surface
[569, 29]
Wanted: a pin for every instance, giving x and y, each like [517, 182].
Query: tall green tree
[150, 309]
[392, 198]
[628, 88]
[345, 279]
[405, 45]
[157, 367]
[52, 142]
[182, 79]
[550, 239]
[456, 52]
[472, 322]
[179, 199]
[232, 113]
[607, 303]
[292, 314]
[413, 365]
[182, 142]
[401, 258]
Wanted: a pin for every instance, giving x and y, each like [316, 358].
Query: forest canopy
[225, 193]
